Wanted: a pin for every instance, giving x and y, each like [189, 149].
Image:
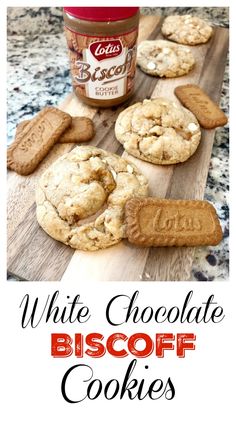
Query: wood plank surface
[33, 255]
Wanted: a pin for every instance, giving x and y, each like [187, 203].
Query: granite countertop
[38, 75]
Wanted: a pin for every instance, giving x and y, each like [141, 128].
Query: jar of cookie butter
[102, 50]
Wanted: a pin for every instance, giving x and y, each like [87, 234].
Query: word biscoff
[100, 74]
[92, 345]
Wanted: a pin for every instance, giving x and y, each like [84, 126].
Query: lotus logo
[106, 49]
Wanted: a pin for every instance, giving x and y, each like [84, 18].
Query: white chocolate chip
[114, 174]
[166, 51]
[74, 179]
[151, 65]
[57, 179]
[130, 169]
[69, 202]
[192, 127]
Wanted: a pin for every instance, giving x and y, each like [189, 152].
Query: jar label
[102, 67]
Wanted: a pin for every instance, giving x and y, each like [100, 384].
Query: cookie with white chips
[81, 197]
[186, 29]
[164, 59]
[158, 131]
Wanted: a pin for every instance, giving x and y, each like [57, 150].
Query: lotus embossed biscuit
[207, 112]
[80, 130]
[165, 222]
[36, 139]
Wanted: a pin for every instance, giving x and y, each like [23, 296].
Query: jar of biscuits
[102, 51]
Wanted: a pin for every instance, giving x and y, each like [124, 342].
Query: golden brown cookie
[164, 59]
[163, 222]
[36, 139]
[199, 103]
[186, 29]
[81, 197]
[80, 130]
[158, 131]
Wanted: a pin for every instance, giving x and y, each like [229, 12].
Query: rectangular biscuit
[199, 103]
[36, 139]
[80, 130]
[164, 222]
[20, 127]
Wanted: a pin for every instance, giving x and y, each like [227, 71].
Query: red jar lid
[101, 13]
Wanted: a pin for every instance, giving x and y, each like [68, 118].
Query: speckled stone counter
[38, 75]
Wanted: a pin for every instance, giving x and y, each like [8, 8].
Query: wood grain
[33, 255]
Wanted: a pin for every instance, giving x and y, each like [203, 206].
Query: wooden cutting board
[33, 255]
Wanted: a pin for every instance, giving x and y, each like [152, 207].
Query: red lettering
[110, 345]
[182, 345]
[161, 345]
[79, 343]
[99, 348]
[148, 349]
[61, 345]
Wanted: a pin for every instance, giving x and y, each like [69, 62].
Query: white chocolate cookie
[81, 197]
[186, 29]
[158, 131]
[162, 58]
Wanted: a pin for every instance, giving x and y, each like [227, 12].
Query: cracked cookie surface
[158, 131]
[81, 197]
[186, 29]
[162, 58]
